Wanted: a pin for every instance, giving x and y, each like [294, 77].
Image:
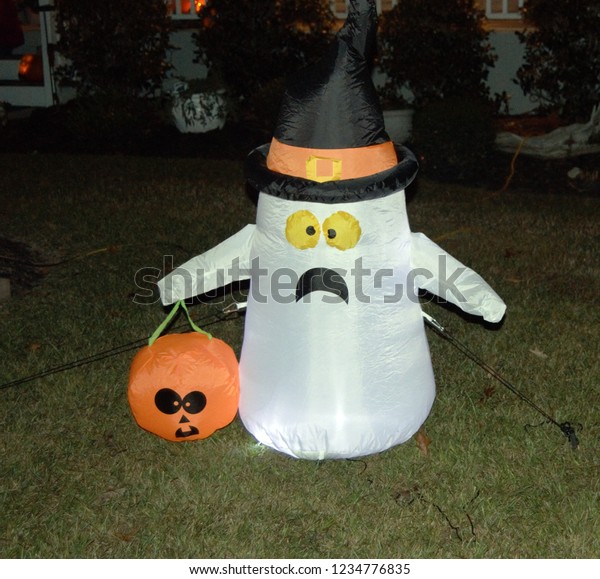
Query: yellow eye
[302, 229]
[341, 230]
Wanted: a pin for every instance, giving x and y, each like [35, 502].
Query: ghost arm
[436, 271]
[225, 263]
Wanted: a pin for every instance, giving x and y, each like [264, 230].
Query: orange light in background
[186, 5]
[31, 68]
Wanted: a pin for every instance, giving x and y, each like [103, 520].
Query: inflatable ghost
[335, 361]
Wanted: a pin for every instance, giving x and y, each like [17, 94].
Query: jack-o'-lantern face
[184, 386]
[169, 402]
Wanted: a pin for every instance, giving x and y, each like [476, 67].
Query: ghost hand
[436, 271]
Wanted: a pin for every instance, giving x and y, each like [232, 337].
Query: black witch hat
[330, 144]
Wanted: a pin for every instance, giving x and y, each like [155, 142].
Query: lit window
[182, 9]
[340, 7]
[503, 9]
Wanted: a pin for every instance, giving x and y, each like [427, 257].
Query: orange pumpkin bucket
[184, 387]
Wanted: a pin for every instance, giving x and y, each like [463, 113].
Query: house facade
[494, 9]
[503, 17]
[39, 90]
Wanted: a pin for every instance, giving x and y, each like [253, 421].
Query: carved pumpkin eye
[302, 229]
[167, 401]
[342, 230]
[194, 402]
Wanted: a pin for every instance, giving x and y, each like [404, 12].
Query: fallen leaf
[423, 441]
[34, 347]
[110, 495]
[453, 234]
[126, 534]
[537, 352]
[487, 394]
[407, 496]
[511, 252]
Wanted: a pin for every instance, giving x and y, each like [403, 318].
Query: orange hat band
[322, 165]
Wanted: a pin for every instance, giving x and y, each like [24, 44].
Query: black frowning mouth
[188, 431]
[321, 279]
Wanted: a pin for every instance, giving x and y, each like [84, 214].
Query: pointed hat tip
[333, 103]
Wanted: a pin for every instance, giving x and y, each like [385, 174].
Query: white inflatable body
[343, 370]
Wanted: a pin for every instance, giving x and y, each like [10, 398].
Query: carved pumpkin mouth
[186, 431]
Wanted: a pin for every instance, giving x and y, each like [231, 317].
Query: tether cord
[566, 428]
[207, 321]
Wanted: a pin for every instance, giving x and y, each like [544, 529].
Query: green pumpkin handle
[169, 318]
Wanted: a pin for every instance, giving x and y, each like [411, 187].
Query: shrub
[265, 105]
[111, 124]
[252, 44]
[454, 138]
[113, 47]
[562, 56]
[437, 49]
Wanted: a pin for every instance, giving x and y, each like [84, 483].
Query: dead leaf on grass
[407, 496]
[34, 347]
[488, 392]
[453, 234]
[537, 352]
[110, 495]
[511, 252]
[126, 534]
[423, 441]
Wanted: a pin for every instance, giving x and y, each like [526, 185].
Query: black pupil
[310, 230]
[331, 233]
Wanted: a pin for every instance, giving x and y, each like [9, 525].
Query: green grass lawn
[78, 478]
